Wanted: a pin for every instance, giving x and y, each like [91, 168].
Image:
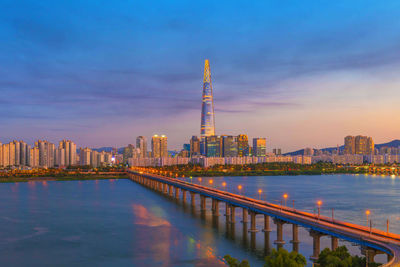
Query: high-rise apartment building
[46, 153]
[194, 146]
[229, 146]
[213, 145]
[141, 143]
[362, 145]
[350, 145]
[259, 147]
[34, 157]
[85, 156]
[69, 149]
[129, 152]
[243, 145]
[159, 146]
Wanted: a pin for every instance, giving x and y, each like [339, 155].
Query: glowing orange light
[285, 196]
[319, 202]
[211, 181]
[200, 179]
[259, 191]
[223, 184]
[240, 187]
[367, 212]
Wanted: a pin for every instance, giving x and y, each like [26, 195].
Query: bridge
[373, 241]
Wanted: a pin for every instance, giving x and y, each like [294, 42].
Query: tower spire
[207, 127]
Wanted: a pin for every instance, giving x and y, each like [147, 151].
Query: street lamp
[367, 213]
[285, 196]
[259, 193]
[211, 182]
[319, 203]
[224, 185]
[240, 189]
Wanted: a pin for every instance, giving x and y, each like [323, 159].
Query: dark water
[120, 223]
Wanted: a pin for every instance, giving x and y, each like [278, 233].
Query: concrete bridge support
[267, 227]
[202, 203]
[215, 207]
[232, 217]
[316, 244]
[295, 237]
[165, 188]
[170, 191]
[253, 228]
[192, 199]
[177, 193]
[245, 216]
[227, 211]
[279, 232]
[183, 196]
[334, 243]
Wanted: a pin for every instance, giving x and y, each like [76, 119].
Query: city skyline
[79, 77]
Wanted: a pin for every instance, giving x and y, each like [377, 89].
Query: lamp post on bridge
[319, 203]
[259, 193]
[240, 189]
[367, 213]
[285, 196]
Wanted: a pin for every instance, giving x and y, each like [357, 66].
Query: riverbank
[60, 178]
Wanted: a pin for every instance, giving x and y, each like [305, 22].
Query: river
[120, 223]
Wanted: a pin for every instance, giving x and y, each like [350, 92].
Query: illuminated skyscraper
[207, 127]
[159, 146]
[259, 147]
[243, 145]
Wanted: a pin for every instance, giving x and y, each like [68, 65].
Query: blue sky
[301, 73]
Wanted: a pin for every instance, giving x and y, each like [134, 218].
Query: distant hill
[394, 143]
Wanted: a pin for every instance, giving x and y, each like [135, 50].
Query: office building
[159, 146]
[213, 145]
[229, 146]
[207, 127]
[259, 147]
[243, 145]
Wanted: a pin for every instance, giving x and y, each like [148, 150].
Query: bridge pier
[295, 237]
[253, 228]
[279, 232]
[183, 196]
[192, 199]
[245, 216]
[316, 244]
[232, 218]
[170, 190]
[165, 188]
[370, 254]
[202, 203]
[177, 193]
[334, 243]
[267, 227]
[227, 211]
[215, 207]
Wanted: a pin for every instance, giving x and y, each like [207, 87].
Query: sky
[300, 73]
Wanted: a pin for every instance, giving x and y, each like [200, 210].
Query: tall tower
[207, 127]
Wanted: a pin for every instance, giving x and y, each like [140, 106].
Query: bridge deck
[374, 238]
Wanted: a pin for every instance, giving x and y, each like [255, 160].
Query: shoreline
[66, 178]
